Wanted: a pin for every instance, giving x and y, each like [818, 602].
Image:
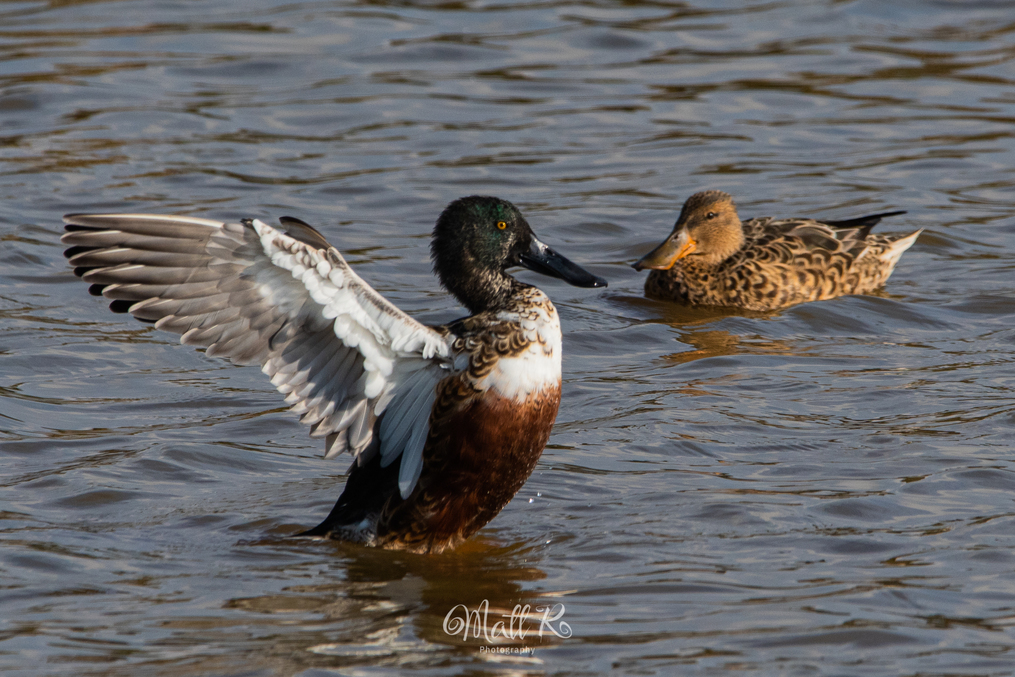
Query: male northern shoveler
[445, 423]
[712, 258]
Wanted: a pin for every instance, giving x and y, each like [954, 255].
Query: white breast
[538, 367]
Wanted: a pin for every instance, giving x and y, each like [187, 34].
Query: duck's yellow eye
[501, 225]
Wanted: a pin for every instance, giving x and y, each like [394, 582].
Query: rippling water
[824, 490]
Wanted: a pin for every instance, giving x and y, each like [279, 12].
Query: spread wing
[357, 369]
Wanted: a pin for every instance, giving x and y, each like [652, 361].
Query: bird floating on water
[445, 423]
[712, 258]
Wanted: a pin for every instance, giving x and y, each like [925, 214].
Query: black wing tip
[77, 227]
[286, 220]
[298, 229]
[120, 306]
[71, 252]
[78, 221]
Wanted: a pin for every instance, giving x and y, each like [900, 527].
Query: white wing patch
[400, 374]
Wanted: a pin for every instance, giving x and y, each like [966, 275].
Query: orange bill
[673, 248]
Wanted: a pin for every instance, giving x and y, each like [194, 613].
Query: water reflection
[397, 609]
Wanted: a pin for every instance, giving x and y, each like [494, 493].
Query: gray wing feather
[341, 354]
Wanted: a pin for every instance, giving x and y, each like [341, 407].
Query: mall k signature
[524, 620]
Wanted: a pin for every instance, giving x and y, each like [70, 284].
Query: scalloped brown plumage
[712, 258]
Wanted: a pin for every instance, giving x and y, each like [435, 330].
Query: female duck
[445, 423]
[712, 258]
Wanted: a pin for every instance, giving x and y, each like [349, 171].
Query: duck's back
[785, 262]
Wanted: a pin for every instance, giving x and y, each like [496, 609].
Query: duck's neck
[733, 243]
[488, 290]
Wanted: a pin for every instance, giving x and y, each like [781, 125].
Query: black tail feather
[865, 222]
[366, 492]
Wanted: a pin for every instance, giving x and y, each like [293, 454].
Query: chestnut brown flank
[476, 460]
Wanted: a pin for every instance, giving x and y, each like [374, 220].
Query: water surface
[823, 490]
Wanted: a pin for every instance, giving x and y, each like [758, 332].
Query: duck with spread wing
[445, 423]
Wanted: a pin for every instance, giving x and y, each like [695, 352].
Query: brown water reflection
[385, 610]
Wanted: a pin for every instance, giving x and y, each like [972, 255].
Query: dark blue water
[826, 490]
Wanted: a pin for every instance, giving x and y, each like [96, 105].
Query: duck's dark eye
[711, 215]
[501, 225]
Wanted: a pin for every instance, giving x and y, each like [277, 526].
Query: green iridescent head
[478, 238]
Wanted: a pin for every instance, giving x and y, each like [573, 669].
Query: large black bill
[542, 259]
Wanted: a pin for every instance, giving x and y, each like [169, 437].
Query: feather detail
[765, 263]
[251, 293]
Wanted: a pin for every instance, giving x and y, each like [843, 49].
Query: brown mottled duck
[714, 258]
